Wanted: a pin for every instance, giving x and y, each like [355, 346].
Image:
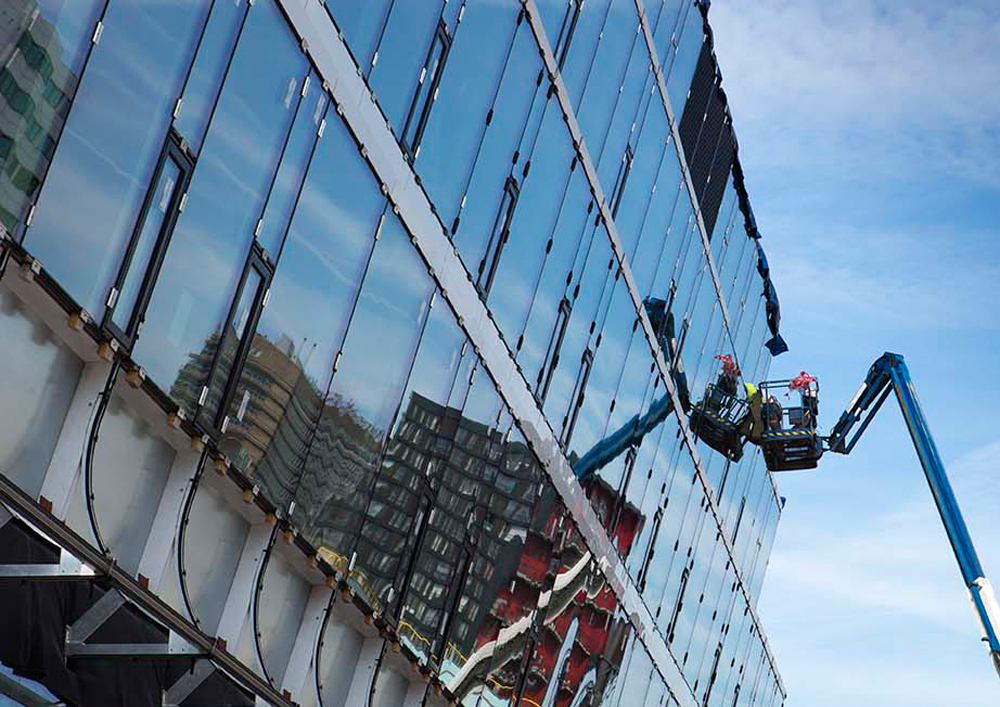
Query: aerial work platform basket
[716, 419]
[789, 438]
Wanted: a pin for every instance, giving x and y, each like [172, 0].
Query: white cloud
[879, 86]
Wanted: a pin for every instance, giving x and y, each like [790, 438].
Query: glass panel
[292, 170]
[468, 86]
[44, 45]
[224, 350]
[656, 240]
[651, 149]
[533, 225]
[301, 329]
[580, 619]
[652, 476]
[209, 69]
[536, 346]
[488, 637]
[363, 396]
[593, 402]
[461, 485]
[607, 465]
[688, 48]
[604, 93]
[482, 209]
[638, 678]
[112, 144]
[663, 24]
[580, 59]
[668, 556]
[226, 198]
[400, 60]
[586, 297]
[402, 491]
[35, 393]
[678, 236]
[637, 92]
[159, 211]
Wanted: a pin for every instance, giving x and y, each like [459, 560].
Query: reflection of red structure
[559, 605]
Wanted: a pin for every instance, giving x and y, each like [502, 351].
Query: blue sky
[870, 137]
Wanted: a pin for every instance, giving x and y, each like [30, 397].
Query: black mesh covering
[34, 616]
[707, 136]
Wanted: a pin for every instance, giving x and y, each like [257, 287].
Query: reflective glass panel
[539, 343]
[362, 24]
[540, 202]
[398, 68]
[586, 295]
[112, 143]
[682, 67]
[402, 493]
[364, 394]
[43, 49]
[210, 65]
[280, 392]
[461, 484]
[225, 200]
[465, 97]
[159, 210]
[580, 60]
[604, 94]
[292, 170]
[484, 217]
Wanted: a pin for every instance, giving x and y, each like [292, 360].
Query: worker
[752, 425]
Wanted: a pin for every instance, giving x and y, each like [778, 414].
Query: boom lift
[803, 448]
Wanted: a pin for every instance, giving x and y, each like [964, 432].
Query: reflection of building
[427, 214]
[34, 85]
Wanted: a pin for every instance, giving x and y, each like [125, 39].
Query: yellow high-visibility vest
[751, 389]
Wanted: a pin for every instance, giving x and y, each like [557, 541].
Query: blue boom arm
[888, 374]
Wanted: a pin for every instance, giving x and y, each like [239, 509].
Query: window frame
[175, 149]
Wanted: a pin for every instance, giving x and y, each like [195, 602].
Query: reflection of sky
[227, 191]
[868, 134]
[325, 254]
[385, 327]
[110, 145]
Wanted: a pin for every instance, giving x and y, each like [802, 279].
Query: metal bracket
[188, 683]
[97, 615]
[69, 568]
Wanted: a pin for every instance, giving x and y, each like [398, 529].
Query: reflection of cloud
[866, 84]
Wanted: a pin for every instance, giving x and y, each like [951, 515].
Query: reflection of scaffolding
[635, 429]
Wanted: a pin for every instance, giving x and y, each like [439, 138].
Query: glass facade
[377, 346]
